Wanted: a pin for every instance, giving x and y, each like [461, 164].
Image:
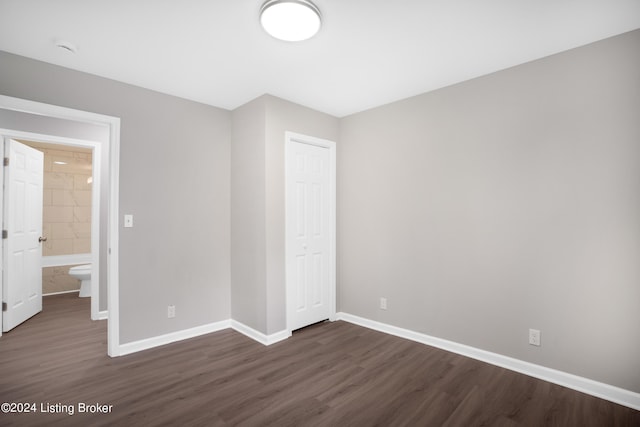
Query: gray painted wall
[248, 262]
[174, 178]
[16, 120]
[504, 203]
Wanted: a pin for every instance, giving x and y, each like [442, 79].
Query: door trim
[113, 124]
[290, 139]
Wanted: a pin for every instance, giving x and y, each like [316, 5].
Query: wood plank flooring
[330, 374]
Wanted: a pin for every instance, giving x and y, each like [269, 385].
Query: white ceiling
[368, 52]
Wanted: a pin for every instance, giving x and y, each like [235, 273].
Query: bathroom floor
[68, 304]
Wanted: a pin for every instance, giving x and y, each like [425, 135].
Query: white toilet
[82, 273]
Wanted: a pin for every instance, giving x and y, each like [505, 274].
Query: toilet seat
[86, 268]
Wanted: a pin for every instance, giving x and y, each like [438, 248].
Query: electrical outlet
[171, 311]
[383, 303]
[534, 337]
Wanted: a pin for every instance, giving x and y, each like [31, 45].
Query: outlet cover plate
[534, 337]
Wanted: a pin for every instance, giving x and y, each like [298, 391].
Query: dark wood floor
[330, 374]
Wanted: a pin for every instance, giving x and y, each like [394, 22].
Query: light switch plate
[128, 221]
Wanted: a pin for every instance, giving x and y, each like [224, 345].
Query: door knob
[42, 239]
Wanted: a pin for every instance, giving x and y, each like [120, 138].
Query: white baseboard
[259, 336]
[103, 315]
[148, 343]
[584, 385]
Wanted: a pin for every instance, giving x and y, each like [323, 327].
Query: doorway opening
[68, 218]
[71, 215]
[104, 152]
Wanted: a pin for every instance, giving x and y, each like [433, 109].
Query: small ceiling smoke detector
[65, 45]
[290, 20]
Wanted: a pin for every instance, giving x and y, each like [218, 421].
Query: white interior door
[310, 238]
[22, 248]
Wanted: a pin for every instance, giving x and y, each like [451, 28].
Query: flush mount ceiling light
[290, 20]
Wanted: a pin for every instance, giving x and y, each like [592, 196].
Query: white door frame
[113, 124]
[290, 139]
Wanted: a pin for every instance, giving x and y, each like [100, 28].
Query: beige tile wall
[57, 279]
[66, 199]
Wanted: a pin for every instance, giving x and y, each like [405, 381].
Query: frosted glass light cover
[290, 20]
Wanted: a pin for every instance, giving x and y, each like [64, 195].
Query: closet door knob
[42, 239]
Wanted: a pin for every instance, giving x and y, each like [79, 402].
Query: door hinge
[4, 306]
[5, 234]
[6, 161]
